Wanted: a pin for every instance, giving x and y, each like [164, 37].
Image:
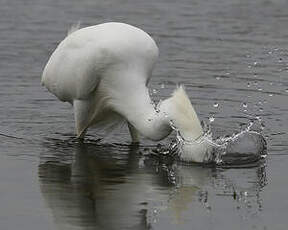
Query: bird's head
[183, 117]
[181, 113]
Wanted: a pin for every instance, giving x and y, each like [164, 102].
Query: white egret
[103, 71]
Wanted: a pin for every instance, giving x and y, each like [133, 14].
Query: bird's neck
[153, 123]
[141, 113]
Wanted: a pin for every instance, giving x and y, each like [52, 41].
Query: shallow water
[232, 58]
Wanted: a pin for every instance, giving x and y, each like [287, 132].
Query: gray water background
[232, 53]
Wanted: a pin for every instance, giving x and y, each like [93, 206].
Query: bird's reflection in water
[92, 186]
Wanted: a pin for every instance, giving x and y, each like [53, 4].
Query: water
[229, 52]
[246, 148]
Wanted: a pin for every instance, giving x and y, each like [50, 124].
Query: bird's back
[87, 56]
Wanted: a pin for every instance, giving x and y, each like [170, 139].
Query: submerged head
[181, 113]
[195, 145]
[184, 119]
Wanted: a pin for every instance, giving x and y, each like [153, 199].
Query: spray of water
[243, 147]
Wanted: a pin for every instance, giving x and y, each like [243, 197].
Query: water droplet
[154, 90]
[270, 95]
[244, 104]
[255, 83]
[261, 109]
[208, 207]
[259, 103]
[255, 63]
[262, 126]
[211, 119]
[248, 84]
[280, 60]
[249, 205]
[255, 74]
[218, 78]
[215, 105]
[260, 89]
[162, 86]
[271, 83]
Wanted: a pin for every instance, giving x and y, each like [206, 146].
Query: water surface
[232, 58]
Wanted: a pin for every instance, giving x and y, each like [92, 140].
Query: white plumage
[103, 71]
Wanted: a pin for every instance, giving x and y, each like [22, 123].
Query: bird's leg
[82, 115]
[133, 133]
[82, 135]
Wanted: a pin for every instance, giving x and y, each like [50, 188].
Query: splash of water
[245, 147]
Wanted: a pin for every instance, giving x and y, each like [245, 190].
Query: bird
[103, 71]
